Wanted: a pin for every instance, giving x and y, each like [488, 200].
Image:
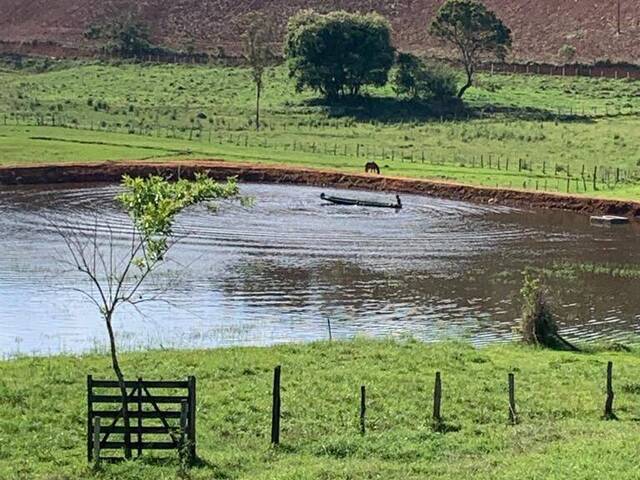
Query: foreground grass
[544, 129]
[560, 396]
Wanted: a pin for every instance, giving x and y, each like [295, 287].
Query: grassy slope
[164, 101]
[560, 396]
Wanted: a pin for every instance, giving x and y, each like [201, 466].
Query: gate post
[89, 419]
[183, 427]
[192, 417]
[96, 440]
[139, 417]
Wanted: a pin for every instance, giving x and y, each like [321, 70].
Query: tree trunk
[123, 388]
[468, 84]
[258, 93]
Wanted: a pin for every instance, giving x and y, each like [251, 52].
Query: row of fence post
[500, 163]
[608, 175]
[562, 70]
[437, 417]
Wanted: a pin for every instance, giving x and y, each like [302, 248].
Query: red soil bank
[113, 171]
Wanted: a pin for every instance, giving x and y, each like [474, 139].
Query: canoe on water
[361, 203]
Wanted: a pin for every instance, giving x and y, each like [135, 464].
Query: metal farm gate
[162, 416]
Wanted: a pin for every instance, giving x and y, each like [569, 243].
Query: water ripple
[280, 271]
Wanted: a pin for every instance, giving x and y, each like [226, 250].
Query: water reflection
[279, 271]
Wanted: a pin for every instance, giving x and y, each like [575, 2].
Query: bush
[417, 79]
[338, 53]
[567, 53]
[538, 325]
[124, 35]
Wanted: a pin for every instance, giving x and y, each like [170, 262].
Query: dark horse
[372, 167]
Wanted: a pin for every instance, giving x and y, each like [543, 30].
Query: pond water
[289, 267]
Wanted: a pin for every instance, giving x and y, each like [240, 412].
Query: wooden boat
[361, 203]
[609, 220]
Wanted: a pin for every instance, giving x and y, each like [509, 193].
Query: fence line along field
[559, 402]
[561, 134]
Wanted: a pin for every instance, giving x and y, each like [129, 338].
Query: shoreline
[280, 174]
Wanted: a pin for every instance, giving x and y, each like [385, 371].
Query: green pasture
[560, 399]
[527, 131]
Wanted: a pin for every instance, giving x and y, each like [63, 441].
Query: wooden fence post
[96, 440]
[513, 415]
[608, 406]
[275, 412]
[437, 399]
[363, 409]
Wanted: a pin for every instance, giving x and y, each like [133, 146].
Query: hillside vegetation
[514, 131]
[540, 28]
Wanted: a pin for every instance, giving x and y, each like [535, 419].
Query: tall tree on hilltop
[474, 31]
[258, 37]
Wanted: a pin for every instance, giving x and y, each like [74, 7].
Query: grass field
[560, 398]
[527, 132]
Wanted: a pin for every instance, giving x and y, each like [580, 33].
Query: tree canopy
[420, 80]
[474, 31]
[124, 35]
[338, 53]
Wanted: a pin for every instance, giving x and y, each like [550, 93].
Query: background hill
[540, 27]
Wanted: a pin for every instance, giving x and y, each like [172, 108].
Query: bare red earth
[113, 171]
[540, 27]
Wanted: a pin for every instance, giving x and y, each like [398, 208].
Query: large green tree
[474, 31]
[338, 53]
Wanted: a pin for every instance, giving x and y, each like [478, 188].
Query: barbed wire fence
[497, 169]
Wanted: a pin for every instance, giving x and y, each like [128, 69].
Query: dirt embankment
[113, 172]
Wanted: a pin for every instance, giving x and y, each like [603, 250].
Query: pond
[291, 268]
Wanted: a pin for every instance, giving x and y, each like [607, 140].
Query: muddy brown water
[289, 266]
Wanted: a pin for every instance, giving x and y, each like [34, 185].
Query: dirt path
[251, 172]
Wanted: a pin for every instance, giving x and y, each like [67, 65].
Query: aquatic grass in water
[570, 270]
